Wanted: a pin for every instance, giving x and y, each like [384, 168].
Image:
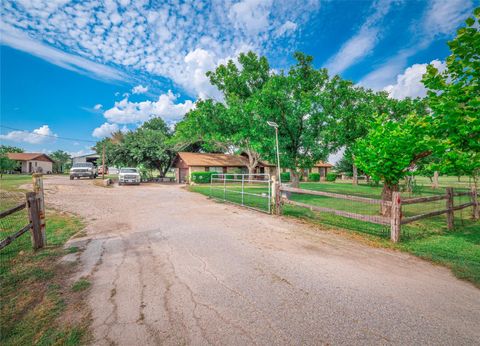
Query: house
[33, 162]
[186, 163]
[320, 167]
[86, 158]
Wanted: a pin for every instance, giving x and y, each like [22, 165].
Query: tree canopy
[454, 98]
[149, 146]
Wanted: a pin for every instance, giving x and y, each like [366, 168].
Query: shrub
[202, 177]
[314, 177]
[331, 177]
[285, 176]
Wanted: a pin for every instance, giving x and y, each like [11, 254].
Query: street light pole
[278, 155]
[275, 126]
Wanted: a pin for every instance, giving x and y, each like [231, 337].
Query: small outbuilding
[185, 163]
[33, 162]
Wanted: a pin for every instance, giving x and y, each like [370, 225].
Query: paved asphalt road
[171, 267]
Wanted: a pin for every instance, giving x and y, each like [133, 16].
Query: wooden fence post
[276, 196]
[396, 217]
[38, 189]
[449, 205]
[476, 208]
[33, 205]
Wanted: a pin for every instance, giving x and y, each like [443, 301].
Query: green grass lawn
[33, 294]
[11, 182]
[458, 249]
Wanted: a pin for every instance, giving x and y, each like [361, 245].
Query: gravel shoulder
[171, 267]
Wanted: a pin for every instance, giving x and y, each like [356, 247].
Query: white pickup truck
[128, 175]
[83, 169]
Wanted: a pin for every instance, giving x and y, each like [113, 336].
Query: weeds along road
[171, 267]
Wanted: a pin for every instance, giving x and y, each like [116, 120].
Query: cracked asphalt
[171, 267]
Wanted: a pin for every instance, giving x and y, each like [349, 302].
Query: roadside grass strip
[33, 294]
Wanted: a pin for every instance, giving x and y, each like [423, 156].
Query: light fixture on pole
[275, 126]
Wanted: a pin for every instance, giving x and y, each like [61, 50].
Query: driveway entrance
[168, 266]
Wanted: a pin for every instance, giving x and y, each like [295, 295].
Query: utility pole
[103, 161]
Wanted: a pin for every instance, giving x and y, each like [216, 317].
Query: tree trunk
[367, 178]
[295, 178]
[252, 161]
[355, 175]
[435, 180]
[387, 191]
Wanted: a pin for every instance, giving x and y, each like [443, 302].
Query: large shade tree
[149, 146]
[235, 123]
[304, 102]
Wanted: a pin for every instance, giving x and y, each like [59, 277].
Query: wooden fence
[396, 219]
[34, 202]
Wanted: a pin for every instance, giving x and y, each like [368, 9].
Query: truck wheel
[71, 178]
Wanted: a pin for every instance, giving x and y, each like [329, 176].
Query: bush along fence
[33, 222]
[394, 218]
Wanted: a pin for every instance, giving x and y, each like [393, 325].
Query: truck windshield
[128, 170]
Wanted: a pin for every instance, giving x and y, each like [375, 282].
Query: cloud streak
[362, 43]
[17, 39]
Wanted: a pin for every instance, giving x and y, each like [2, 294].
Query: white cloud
[444, 16]
[251, 16]
[98, 106]
[197, 63]
[286, 28]
[105, 130]
[139, 89]
[362, 43]
[38, 136]
[127, 112]
[409, 83]
[18, 40]
[142, 39]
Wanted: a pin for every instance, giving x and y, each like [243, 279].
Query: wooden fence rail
[396, 219]
[36, 217]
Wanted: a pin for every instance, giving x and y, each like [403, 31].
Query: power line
[51, 136]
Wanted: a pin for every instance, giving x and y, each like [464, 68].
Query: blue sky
[83, 69]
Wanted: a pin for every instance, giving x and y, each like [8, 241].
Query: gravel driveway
[171, 267]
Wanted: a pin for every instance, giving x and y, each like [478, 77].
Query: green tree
[61, 159]
[150, 146]
[5, 163]
[391, 149]
[454, 97]
[235, 124]
[116, 153]
[359, 107]
[302, 102]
